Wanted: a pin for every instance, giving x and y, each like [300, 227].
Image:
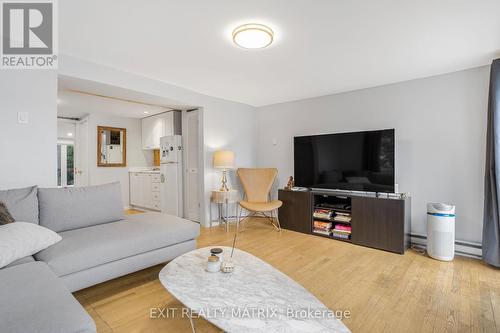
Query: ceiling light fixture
[253, 36]
[146, 112]
[70, 134]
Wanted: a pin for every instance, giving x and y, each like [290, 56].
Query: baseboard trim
[462, 248]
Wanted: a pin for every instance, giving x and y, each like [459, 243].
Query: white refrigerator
[171, 175]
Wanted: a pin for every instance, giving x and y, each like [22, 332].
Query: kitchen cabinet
[163, 124]
[145, 190]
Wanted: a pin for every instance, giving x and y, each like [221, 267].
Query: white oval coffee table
[256, 297]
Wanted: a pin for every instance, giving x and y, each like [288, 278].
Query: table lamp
[224, 159]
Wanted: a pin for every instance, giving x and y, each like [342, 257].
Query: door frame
[78, 141]
[63, 157]
[65, 142]
[201, 164]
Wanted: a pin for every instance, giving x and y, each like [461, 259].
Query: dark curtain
[491, 223]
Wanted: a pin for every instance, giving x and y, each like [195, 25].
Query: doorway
[72, 152]
[66, 129]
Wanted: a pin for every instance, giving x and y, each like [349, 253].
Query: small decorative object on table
[216, 251]
[290, 184]
[213, 264]
[228, 264]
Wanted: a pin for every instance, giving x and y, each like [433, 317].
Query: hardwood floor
[132, 211]
[384, 292]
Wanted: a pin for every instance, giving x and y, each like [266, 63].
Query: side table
[223, 199]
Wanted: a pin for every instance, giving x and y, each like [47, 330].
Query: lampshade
[224, 159]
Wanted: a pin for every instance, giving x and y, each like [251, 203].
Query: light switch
[275, 141]
[23, 117]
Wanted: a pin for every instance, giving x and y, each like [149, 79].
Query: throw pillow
[5, 216]
[22, 203]
[22, 239]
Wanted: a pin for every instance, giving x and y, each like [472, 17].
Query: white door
[82, 153]
[191, 152]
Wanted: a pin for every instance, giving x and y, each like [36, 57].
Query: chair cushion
[33, 299]
[64, 209]
[22, 203]
[261, 206]
[85, 248]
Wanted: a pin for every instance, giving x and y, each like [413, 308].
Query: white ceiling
[321, 46]
[77, 105]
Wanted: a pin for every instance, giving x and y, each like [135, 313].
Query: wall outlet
[23, 117]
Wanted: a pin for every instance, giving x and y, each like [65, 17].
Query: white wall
[440, 119]
[136, 157]
[28, 152]
[226, 124]
[440, 136]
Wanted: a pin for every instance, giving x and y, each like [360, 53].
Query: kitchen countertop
[144, 169]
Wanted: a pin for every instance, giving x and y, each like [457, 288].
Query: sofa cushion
[21, 261]
[85, 248]
[33, 299]
[79, 207]
[22, 203]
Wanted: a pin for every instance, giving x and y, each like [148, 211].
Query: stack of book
[342, 231]
[321, 213]
[322, 227]
[342, 217]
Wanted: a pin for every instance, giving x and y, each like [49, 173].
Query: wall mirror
[111, 147]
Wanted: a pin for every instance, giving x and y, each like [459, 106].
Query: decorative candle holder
[213, 264]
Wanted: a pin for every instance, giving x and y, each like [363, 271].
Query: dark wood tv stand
[381, 223]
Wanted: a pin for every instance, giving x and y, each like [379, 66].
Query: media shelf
[331, 237]
[332, 216]
[382, 223]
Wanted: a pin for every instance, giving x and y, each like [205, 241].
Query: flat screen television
[358, 161]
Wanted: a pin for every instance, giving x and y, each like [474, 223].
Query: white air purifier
[441, 231]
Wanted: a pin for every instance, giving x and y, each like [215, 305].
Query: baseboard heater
[462, 248]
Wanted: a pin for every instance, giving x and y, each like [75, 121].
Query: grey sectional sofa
[98, 243]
